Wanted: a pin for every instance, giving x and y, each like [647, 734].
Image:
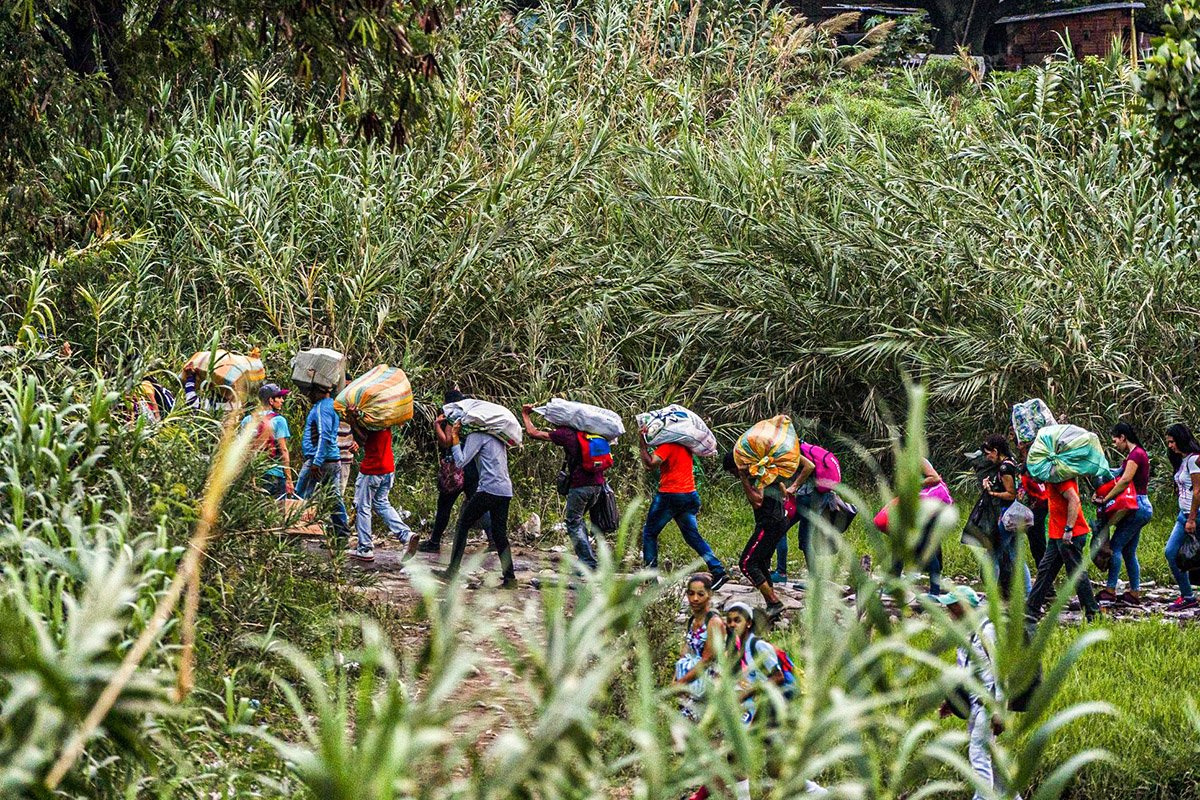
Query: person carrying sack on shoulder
[372, 490]
[770, 524]
[676, 499]
[982, 726]
[584, 482]
[322, 464]
[272, 439]
[493, 497]
[1068, 530]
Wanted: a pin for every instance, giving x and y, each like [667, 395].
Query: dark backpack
[604, 513]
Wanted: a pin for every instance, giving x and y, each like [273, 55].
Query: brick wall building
[1030, 39]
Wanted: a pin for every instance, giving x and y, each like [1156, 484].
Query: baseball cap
[269, 391]
[960, 594]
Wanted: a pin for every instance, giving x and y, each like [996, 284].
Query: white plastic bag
[677, 425]
[583, 417]
[480, 416]
[1018, 517]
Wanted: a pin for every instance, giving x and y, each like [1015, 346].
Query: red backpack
[266, 435]
[596, 452]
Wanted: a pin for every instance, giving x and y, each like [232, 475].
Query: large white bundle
[480, 416]
[582, 417]
[675, 424]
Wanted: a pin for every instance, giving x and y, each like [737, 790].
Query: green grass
[1148, 671]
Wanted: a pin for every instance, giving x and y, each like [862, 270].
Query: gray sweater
[491, 456]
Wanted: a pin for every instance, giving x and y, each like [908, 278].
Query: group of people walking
[1060, 536]
[476, 465]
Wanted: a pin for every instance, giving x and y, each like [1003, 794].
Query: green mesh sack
[1063, 452]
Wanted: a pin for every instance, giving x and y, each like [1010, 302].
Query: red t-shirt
[675, 472]
[377, 454]
[1141, 478]
[1034, 488]
[1058, 510]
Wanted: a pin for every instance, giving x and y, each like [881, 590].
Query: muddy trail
[495, 692]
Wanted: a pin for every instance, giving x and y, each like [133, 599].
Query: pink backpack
[829, 469]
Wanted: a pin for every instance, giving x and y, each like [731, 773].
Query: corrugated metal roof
[893, 10]
[1070, 12]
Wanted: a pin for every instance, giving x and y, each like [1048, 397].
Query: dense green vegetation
[623, 203]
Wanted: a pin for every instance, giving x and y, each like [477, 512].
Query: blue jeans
[804, 504]
[310, 479]
[1178, 535]
[1125, 543]
[371, 495]
[274, 485]
[1006, 558]
[683, 509]
[579, 500]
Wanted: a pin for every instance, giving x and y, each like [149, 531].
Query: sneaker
[777, 577]
[800, 586]
[509, 583]
[1182, 604]
[362, 554]
[442, 575]
[410, 549]
[1106, 596]
[720, 580]
[774, 611]
[1131, 598]
[429, 546]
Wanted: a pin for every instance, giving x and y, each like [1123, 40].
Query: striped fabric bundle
[769, 450]
[380, 399]
[228, 372]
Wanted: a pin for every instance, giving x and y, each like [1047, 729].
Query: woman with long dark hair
[1134, 470]
[1002, 487]
[1184, 452]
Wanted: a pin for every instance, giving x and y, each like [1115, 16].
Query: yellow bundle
[380, 399]
[769, 450]
[235, 373]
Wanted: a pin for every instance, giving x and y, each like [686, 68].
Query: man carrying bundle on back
[588, 456]
[677, 435]
[371, 406]
[376, 475]
[321, 456]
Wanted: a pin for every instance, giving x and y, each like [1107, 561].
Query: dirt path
[497, 695]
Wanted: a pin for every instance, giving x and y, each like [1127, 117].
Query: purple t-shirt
[568, 440]
[1141, 478]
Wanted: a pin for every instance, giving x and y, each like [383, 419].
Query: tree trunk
[961, 22]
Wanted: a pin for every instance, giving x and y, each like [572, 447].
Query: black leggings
[473, 510]
[445, 507]
[770, 525]
[1037, 534]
